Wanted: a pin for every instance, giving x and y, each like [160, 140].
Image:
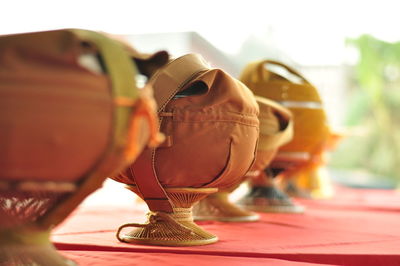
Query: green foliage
[374, 110]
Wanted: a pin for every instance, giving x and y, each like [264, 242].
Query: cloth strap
[167, 82]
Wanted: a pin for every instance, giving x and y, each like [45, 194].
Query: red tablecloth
[356, 227]
[134, 258]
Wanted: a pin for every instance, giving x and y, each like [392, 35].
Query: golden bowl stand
[171, 229]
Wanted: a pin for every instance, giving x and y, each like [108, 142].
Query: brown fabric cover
[49, 108]
[210, 137]
[70, 115]
[57, 117]
[276, 129]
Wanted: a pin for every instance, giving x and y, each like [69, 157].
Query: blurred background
[350, 50]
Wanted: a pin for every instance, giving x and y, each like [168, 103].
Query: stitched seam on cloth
[233, 120]
[219, 117]
[211, 112]
[223, 121]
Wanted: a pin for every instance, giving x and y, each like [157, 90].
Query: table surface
[355, 227]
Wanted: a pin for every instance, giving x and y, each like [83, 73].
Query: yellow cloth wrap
[311, 132]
